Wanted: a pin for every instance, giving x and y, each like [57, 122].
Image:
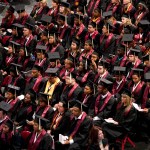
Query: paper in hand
[62, 138]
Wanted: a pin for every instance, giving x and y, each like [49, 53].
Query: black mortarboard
[62, 17]
[9, 123]
[20, 8]
[121, 47]
[41, 121]
[14, 45]
[107, 14]
[137, 71]
[4, 106]
[30, 25]
[36, 67]
[65, 105]
[64, 4]
[56, 1]
[15, 68]
[32, 94]
[13, 89]
[41, 48]
[147, 76]
[17, 25]
[90, 84]
[78, 16]
[53, 56]
[77, 41]
[71, 75]
[127, 37]
[134, 52]
[119, 70]
[44, 97]
[103, 63]
[11, 9]
[104, 82]
[126, 92]
[146, 57]
[125, 16]
[52, 71]
[93, 24]
[46, 18]
[79, 105]
[144, 24]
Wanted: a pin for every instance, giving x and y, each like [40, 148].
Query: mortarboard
[146, 57]
[147, 76]
[44, 97]
[9, 123]
[5, 106]
[144, 24]
[36, 67]
[64, 4]
[14, 45]
[119, 70]
[20, 8]
[127, 37]
[53, 56]
[52, 71]
[104, 82]
[107, 14]
[30, 25]
[125, 16]
[17, 26]
[56, 1]
[46, 18]
[93, 24]
[78, 16]
[103, 63]
[79, 105]
[137, 71]
[61, 17]
[65, 105]
[11, 9]
[41, 121]
[41, 49]
[134, 52]
[121, 47]
[15, 68]
[13, 89]
[126, 92]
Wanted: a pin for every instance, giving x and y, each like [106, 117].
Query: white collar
[104, 96]
[79, 117]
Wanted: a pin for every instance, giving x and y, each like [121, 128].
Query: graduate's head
[55, 3]
[88, 45]
[119, 72]
[43, 99]
[4, 108]
[133, 55]
[36, 71]
[120, 50]
[30, 96]
[62, 106]
[78, 19]
[70, 79]
[147, 78]
[126, 97]
[88, 89]
[137, 73]
[8, 126]
[142, 6]
[95, 57]
[96, 12]
[102, 66]
[75, 44]
[40, 51]
[91, 27]
[69, 62]
[20, 9]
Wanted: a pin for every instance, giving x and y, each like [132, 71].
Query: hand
[145, 110]
[66, 142]
[56, 106]
[16, 123]
[30, 123]
[49, 131]
[54, 127]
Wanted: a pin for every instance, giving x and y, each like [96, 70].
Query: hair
[93, 136]
[128, 99]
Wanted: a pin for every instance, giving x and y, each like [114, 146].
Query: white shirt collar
[104, 96]
[79, 117]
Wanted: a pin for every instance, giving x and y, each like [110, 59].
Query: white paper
[110, 121]
[62, 138]
[96, 118]
[137, 107]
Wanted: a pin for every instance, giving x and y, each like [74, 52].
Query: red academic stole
[63, 31]
[9, 60]
[122, 62]
[41, 63]
[6, 137]
[107, 40]
[135, 66]
[84, 79]
[28, 42]
[54, 48]
[114, 7]
[81, 28]
[145, 96]
[37, 83]
[97, 76]
[44, 112]
[87, 55]
[104, 104]
[72, 90]
[32, 145]
[93, 35]
[4, 120]
[62, 72]
[77, 125]
[8, 22]
[24, 19]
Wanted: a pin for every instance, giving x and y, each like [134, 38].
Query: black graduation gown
[126, 121]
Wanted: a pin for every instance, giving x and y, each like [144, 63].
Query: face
[87, 90]
[124, 99]
[123, 20]
[14, 31]
[104, 30]
[61, 109]
[96, 13]
[36, 126]
[94, 57]
[21, 52]
[34, 73]
[54, 4]
[76, 111]
[81, 66]
[61, 9]
[140, 7]
[51, 79]
[39, 55]
[135, 78]
[147, 63]
[87, 47]
[5, 128]
[73, 46]
[10, 50]
[76, 21]
[100, 135]
[1, 115]
[53, 64]
[51, 39]
[61, 22]
[100, 89]
[26, 31]
[27, 98]
[42, 104]
[67, 64]
[9, 95]
[100, 69]
[131, 58]
[120, 52]
[126, 2]
[91, 29]
[42, 37]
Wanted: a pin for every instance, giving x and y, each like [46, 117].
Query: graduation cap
[79, 105]
[30, 25]
[41, 121]
[36, 67]
[17, 26]
[57, 1]
[119, 70]
[46, 18]
[126, 92]
[15, 68]
[103, 62]
[53, 57]
[44, 97]
[125, 16]
[13, 89]
[109, 25]
[14, 45]
[9, 123]
[20, 8]
[146, 57]
[65, 104]
[11, 9]
[78, 16]
[147, 76]
[144, 24]
[41, 49]
[93, 24]
[5, 106]
[62, 17]
[52, 71]
[104, 82]
[137, 71]
[64, 4]
[134, 52]
[86, 62]
[121, 47]
[107, 14]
